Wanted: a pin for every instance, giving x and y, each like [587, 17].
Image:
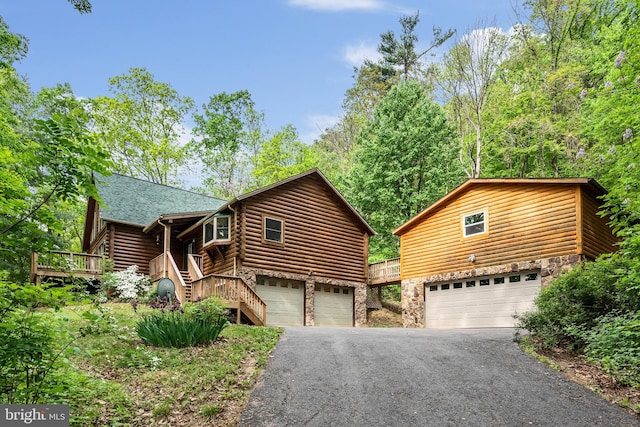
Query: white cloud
[356, 54]
[338, 5]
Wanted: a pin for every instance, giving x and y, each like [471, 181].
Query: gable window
[473, 224]
[273, 230]
[216, 229]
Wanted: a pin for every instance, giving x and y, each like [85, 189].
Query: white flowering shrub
[126, 284]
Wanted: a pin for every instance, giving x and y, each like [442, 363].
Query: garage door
[480, 302]
[284, 299]
[333, 306]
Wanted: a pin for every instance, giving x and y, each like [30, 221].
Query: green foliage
[281, 156]
[56, 166]
[578, 299]
[82, 6]
[230, 134]
[31, 343]
[196, 324]
[399, 55]
[206, 310]
[614, 343]
[406, 161]
[143, 123]
[392, 293]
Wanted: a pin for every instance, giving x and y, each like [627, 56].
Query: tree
[54, 167]
[281, 156]
[229, 134]
[82, 6]
[470, 71]
[406, 161]
[143, 123]
[399, 55]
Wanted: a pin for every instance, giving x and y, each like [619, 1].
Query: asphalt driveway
[417, 377]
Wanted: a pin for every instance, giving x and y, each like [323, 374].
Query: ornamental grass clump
[176, 326]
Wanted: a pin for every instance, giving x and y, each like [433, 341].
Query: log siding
[320, 236]
[524, 222]
[133, 247]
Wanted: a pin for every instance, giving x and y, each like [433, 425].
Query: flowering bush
[126, 284]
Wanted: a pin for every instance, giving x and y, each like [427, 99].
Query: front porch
[190, 283]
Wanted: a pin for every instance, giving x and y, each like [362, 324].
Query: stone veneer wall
[359, 290]
[413, 289]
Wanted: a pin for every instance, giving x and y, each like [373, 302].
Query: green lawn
[131, 383]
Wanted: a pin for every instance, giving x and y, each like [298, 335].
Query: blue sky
[295, 57]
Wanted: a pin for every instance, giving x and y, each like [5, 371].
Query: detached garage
[482, 253]
[480, 302]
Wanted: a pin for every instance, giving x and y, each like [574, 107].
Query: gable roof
[135, 201]
[254, 193]
[476, 182]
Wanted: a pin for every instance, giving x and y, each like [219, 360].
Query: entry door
[189, 248]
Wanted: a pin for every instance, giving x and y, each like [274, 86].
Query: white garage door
[284, 299]
[333, 306]
[480, 302]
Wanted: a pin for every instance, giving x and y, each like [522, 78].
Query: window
[216, 229]
[474, 224]
[498, 280]
[445, 287]
[273, 230]
[471, 283]
[514, 279]
[457, 285]
[484, 282]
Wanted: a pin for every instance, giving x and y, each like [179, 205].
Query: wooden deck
[61, 264]
[385, 272]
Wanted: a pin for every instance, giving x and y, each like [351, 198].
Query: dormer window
[217, 229]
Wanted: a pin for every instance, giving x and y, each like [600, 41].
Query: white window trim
[485, 223]
[214, 221]
[264, 230]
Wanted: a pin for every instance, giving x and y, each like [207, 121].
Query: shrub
[32, 342]
[576, 300]
[209, 309]
[126, 284]
[615, 344]
[176, 329]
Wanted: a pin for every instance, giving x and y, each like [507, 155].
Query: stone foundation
[310, 281]
[413, 289]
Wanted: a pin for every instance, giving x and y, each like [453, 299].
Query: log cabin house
[482, 252]
[292, 253]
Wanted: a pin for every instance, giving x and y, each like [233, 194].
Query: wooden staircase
[191, 286]
[236, 293]
[187, 281]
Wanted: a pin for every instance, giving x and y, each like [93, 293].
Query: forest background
[555, 96]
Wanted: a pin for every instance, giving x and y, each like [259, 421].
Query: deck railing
[229, 288]
[66, 264]
[387, 271]
[197, 259]
[157, 267]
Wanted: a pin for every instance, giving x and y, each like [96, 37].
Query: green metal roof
[135, 201]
